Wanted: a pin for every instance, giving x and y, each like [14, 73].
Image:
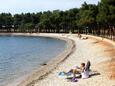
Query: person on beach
[83, 71]
[77, 70]
[79, 35]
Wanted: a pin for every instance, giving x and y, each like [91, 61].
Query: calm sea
[20, 55]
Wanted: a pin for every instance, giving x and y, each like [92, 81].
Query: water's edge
[51, 65]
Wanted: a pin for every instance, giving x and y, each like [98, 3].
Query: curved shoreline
[51, 65]
[92, 49]
[101, 48]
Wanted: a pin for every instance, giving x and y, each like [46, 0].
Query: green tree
[87, 17]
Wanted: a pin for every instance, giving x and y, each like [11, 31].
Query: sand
[92, 49]
[100, 53]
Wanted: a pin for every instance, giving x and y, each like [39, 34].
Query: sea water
[20, 55]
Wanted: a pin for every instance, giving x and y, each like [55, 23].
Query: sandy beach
[100, 53]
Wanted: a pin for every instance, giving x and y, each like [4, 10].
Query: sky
[19, 6]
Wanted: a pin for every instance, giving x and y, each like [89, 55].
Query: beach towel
[61, 74]
[64, 73]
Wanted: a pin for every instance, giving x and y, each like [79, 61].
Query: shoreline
[96, 50]
[50, 65]
[99, 53]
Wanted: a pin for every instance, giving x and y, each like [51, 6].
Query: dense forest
[88, 19]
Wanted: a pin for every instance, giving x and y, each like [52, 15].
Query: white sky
[19, 6]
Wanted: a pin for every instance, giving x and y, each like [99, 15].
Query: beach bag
[85, 75]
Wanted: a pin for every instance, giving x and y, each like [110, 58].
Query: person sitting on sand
[83, 71]
[77, 70]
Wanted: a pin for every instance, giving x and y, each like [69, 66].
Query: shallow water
[20, 55]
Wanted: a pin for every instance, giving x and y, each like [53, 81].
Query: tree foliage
[89, 18]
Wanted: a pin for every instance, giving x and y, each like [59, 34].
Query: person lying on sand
[77, 70]
[83, 70]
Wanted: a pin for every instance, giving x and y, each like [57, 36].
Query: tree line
[89, 19]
